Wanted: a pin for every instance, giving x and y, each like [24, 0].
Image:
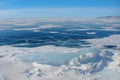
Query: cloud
[35, 23]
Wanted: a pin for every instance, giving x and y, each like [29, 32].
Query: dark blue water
[63, 37]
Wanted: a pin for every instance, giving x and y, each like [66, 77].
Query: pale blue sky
[58, 8]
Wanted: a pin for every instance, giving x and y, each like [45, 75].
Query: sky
[58, 8]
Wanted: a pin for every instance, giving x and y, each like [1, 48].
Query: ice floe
[111, 40]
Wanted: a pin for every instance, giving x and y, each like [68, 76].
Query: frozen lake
[50, 50]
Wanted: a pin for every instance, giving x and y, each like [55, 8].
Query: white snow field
[62, 63]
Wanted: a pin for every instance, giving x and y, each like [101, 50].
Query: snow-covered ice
[99, 61]
[93, 64]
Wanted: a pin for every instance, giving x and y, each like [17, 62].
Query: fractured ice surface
[55, 57]
[83, 60]
[85, 63]
[99, 61]
[62, 63]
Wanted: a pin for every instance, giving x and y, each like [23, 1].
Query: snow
[94, 63]
[1, 77]
[111, 40]
[61, 63]
[90, 63]
[87, 66]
